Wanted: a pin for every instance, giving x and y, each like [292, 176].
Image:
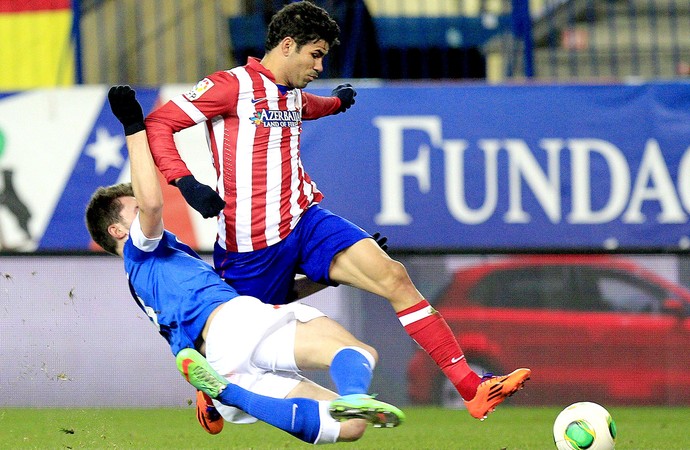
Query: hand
[346, 93]
[126, 108]
[200, 196]
[381, 240]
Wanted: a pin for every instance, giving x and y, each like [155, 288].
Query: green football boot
[199, 373]
[363, 406]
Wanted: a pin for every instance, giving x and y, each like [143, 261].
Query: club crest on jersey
[198, 90]
[276, 118]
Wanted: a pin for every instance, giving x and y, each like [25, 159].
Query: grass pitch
[508, 428]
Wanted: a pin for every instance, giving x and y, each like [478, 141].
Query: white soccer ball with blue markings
[584, 426]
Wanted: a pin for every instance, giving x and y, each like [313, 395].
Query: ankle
[467, 387]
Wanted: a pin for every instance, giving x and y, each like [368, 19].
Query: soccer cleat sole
[379, 415]
[377, 418]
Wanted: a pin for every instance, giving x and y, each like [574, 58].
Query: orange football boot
[493, 390]
[207, 414]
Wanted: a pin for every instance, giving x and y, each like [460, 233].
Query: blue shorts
[269, 273]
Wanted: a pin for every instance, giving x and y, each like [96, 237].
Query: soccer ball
[584, 425]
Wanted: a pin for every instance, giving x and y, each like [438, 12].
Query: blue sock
[297, 416]
[351, 370]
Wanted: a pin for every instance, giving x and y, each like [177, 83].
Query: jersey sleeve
[139, 240]
[315, 106]
[215, 95]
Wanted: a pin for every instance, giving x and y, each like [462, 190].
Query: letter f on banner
[394, 169]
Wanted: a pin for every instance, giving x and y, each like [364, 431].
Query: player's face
[305, 64]
[129, 211]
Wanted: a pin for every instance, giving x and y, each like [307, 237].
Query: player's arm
[145, 184]
[213, 96]
[161, 125]
[315, 106]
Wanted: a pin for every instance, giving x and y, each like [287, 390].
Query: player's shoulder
[217, 84]
[221, 77]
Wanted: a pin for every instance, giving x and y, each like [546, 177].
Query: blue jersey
[175, 288]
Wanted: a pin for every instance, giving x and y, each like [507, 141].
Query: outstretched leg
[364, 265]
[323, 343]
[301, 417]
[298, 416]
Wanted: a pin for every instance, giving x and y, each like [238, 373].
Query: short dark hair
[104, 210]
[304, 22]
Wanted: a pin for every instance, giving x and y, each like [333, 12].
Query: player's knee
[352, 430]
[371, 350]
[396, 275]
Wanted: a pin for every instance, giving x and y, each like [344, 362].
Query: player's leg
[305, 418]
[317, 343]
[366, 266]
[247, 341]
[298, 416]
[322, 343]
[305, 339]
[346, 256]
[337, 251]
[350, 430]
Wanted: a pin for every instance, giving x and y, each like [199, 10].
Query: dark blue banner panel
[536, 167]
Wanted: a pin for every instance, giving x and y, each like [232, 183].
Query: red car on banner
[591, 327]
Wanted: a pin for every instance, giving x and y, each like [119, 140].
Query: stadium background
[438, 81]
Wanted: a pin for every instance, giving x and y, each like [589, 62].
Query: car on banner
[594, 327]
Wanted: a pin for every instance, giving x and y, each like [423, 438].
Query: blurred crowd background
[152, 42]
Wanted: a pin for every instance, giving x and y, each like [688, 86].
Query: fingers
[121, 94]
[126, 108]
[381, 241]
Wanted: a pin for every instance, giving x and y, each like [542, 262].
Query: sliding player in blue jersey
[258, 348]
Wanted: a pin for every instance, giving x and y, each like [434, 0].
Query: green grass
[426, 428]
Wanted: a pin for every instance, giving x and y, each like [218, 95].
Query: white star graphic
[106, 150]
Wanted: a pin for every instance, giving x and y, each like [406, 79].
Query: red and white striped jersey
[254, 131]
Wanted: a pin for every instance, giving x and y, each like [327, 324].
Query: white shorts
[253, 345]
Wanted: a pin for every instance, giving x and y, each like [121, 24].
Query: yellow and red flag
[36, 48]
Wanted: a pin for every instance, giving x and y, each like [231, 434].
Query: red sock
[429, 329]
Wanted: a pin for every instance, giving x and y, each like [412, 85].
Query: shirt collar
[255, 64]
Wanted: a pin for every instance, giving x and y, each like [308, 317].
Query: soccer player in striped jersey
[270, 224]
[259, 348]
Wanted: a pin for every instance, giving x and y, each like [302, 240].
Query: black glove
[346, 93]
[200, 196]
[126, 108]
[381, 240]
